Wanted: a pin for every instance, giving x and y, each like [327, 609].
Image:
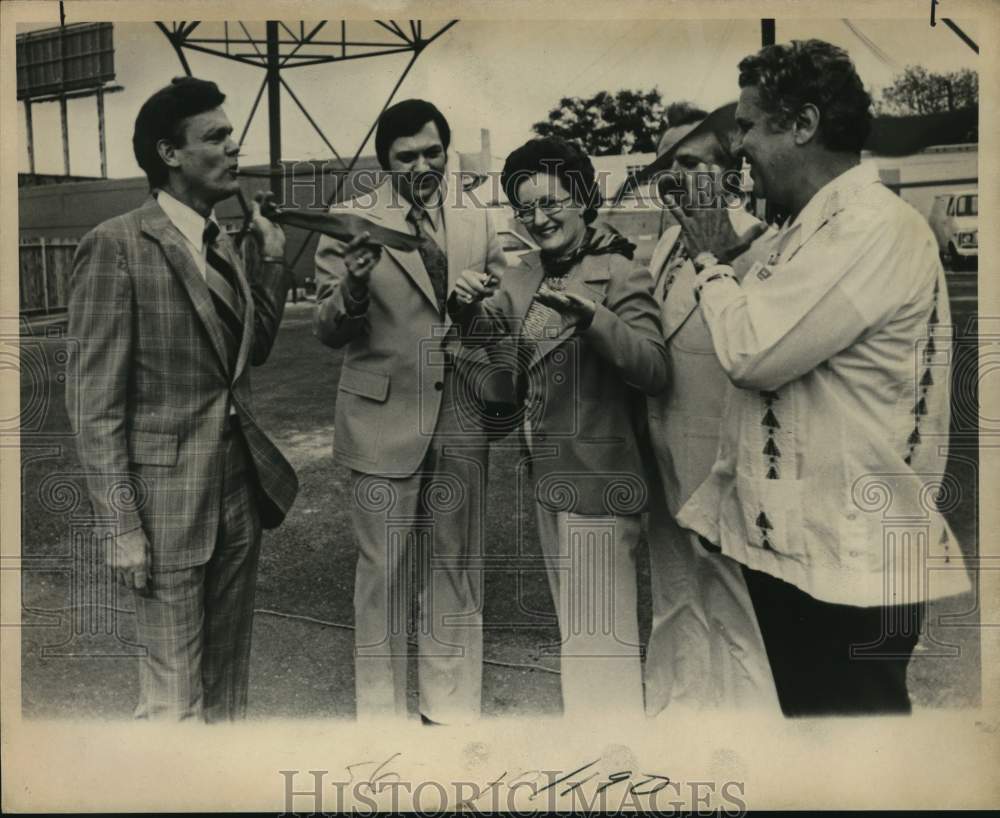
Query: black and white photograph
[449, 407]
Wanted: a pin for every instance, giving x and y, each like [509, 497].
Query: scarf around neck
[597, 241]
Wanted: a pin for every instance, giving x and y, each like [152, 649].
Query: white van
[954, 218]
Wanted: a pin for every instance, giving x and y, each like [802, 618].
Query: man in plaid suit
[168, 324]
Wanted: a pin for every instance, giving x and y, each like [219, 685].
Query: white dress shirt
[835, 431]
[191, 225]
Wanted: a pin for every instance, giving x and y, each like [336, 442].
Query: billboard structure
[279, 47]
[61, 63]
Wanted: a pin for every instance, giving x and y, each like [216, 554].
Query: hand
[576, 310]
[360, 258]
[473, 286]
[270, 237]
[131, 558]
[704, 218]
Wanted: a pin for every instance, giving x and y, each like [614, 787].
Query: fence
[44, 267]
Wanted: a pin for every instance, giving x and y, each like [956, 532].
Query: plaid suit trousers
[196, 623]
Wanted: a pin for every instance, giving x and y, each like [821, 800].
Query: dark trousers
[830, 659]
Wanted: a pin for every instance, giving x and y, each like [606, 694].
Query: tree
[625, 122]
[919, 91]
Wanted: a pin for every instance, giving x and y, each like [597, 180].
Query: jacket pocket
[153, 448]
[368, 383]
[772, 511]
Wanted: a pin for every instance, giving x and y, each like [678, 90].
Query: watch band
[714, 277]
[706, 258]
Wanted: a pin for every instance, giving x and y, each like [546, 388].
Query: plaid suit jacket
[150, 393]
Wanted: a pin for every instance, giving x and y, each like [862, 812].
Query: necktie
[222, 283]
[434, 259]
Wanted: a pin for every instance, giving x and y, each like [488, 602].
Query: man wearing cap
[705, 648]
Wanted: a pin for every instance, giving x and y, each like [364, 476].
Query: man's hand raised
[270, 237]
[706, 224]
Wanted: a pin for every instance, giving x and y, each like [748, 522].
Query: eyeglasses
[550, 207]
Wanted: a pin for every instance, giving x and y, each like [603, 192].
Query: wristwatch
[719, 276]
[706, 258]
[272, 260]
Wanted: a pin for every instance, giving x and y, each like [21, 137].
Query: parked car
[954, 218]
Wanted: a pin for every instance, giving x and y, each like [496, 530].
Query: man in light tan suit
[406, 423]
[705, 648]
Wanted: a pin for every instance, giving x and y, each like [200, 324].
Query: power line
[965, 38]
[872, 46]
[726, 33]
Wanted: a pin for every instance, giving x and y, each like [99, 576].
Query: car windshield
[967, 206]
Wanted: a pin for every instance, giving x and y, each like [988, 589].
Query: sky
[498, 75]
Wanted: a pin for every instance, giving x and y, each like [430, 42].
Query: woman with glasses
[580, 326]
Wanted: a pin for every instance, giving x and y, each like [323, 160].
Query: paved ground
[77, 656]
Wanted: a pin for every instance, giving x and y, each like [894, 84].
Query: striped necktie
[434, 259]
[222, 283]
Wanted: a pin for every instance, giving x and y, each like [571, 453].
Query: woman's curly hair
[565, 160]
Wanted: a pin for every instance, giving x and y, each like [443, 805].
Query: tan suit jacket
[399, 347]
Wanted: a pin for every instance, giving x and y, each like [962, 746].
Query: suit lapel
[460, 226]
[680, 301]
[522, 283]
[230, 253]
[662, 254]
[391, 209]
[588, 279]
[158, 227]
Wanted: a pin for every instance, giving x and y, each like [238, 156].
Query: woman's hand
[576, 310]
[473, 286]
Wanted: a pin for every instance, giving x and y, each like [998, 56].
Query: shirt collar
[433, 214]
[833, 197]
[188, 221]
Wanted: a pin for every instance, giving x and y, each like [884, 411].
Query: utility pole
[767, 31]
[274, 106]
[767, 35]
[274, 121]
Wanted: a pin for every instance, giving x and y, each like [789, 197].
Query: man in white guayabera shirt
[835, 432]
